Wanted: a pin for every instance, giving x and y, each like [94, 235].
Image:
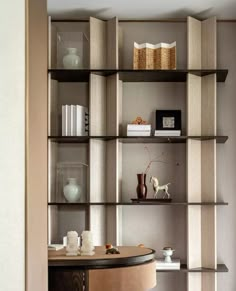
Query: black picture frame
[168, 119]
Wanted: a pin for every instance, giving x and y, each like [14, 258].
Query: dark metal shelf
[221, 268]
[221, 203]
[127, 75]
[136, 139]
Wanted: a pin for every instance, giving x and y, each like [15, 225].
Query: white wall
[12, 145]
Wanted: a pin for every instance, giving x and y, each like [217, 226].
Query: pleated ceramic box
[161, 56]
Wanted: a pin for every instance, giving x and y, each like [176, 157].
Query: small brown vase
[141, 187]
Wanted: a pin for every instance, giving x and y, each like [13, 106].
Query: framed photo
[168, 119]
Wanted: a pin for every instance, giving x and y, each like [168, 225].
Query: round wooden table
[134, 269]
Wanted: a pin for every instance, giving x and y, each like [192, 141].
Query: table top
[129, 256]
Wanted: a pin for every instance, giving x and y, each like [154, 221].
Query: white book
[81, 120]
[167, 133]
[162, 265]
[139, 127]
[72, 120]
[55, 247]
[66, 120]
[138, 133]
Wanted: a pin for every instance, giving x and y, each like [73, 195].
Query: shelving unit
[105, 88]
[135, 75]
[136, 139]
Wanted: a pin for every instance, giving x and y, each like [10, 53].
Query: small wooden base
[151, 200]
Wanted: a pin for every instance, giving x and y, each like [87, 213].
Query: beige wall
[12, 145]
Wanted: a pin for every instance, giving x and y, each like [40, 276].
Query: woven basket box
[159, 56]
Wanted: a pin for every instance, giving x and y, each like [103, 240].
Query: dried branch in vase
[157, 159]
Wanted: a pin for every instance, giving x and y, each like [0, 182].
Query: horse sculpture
[156, 188]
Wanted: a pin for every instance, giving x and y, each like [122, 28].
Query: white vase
[72, 60]
[72, 191]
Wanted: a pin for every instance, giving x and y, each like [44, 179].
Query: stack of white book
[138, 130]
[167, 132]
[74, 120]
[55, 247]
[173, 265]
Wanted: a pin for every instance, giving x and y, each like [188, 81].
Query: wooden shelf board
[136, 139]
[221, 203]
[126, 75]
[221, 268]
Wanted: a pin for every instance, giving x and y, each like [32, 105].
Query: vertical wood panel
[98, 43]
[112, 43]
[97, 177]
[112, 190]
[194, 43]
[209, 46]
[194, 105]
[36, 149]
[208, 107]
[97, 105]
[112, 105]
[53, 119]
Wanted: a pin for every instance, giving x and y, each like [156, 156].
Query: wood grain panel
[97, 170]
[194, 43]
[112, 43]
[138, 278]
[194, 282]
[112, 190]
[36, 145]
[62, 280]
[209, 43]
[97, 190]
[53, 119]
[112, 105]
[209, 281]
[98, 43]
[208, 105]
[97, 105]
[193, 105]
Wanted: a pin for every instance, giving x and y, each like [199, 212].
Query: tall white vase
[72, 191]
[72, 60]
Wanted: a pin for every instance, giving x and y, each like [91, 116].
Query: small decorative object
[139, 127]
[141, 246]
[160, 56]
[64, 172]
[72, 191]
[110, 250]
[167, 252]
[72, 60]
[139, 120]
[87, 248]
[156, 188]
[72, 243]
[168, 122]
[141, 187]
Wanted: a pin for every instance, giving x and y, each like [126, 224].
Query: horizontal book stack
[167, 132]
[55, 247]
[173, 265]
[75, 120]
[138, 130]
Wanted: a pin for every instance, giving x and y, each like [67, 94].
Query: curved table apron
[134, 269]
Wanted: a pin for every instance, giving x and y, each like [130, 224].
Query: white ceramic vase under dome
[72, 190]
[72, 60]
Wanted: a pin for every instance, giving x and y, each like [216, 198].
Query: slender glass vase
[141, 187]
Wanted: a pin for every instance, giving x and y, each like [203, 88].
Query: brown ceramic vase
[141, 187]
